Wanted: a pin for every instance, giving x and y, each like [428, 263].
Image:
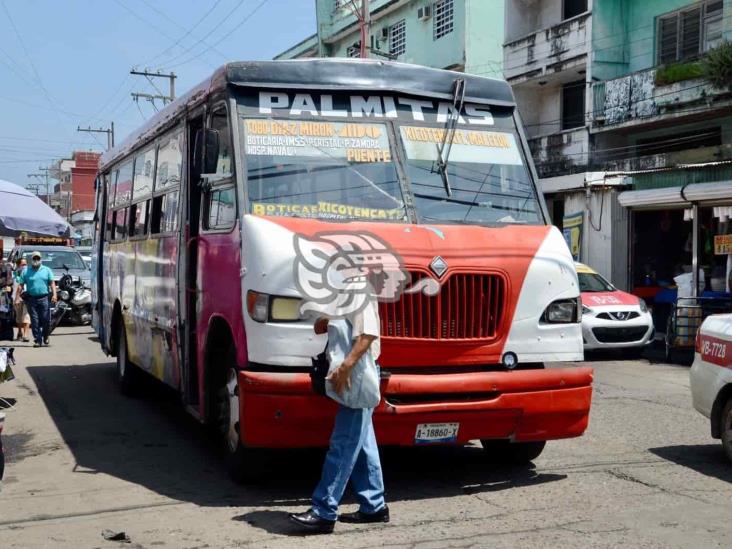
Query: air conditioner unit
[424, 13]
[384, 35]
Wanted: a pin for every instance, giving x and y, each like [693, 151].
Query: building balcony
[548, 51]
[560, 153]
[636, 99]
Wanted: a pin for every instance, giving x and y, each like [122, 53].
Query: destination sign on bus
[366, 106]
[477, 146]
[353, 142]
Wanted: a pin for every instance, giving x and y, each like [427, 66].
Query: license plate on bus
[436, 433]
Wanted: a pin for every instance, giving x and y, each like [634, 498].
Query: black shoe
[36, 344]
[45, 342]
[361, 518]
[312, 522]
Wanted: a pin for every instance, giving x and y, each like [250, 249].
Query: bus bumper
[279, 410]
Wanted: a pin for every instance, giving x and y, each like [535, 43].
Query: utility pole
[136, 96]
[45, 176]
[33, 187]
[365, 25]
[109, 131]
[156, 74]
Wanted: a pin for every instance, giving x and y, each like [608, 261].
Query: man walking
[353, 454]
[22, 318]
[38, 283]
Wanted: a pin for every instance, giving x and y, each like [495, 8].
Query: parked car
[711, 376]
[611, 318]
[57, 258]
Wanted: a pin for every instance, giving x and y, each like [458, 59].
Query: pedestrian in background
[353, 454]
[39, 285]
[22, 318]
[7, 314]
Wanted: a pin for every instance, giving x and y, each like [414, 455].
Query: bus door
[97, 280]
[188, 265]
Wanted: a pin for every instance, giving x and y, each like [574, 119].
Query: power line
[224, 37]
[215, 28]
[30, 61]
[186, 33]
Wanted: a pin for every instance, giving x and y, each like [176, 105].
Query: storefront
[680, 231]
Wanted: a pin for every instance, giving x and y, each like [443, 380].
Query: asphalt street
[83, 459]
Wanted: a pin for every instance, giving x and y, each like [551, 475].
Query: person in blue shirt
[39, 285]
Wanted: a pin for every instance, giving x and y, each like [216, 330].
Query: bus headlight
[563, 311]
[269, 308]
[285, 309]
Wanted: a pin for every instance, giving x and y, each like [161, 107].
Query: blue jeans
[354, 455]
[40, 314]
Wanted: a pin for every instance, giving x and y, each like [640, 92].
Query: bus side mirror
[206, 151]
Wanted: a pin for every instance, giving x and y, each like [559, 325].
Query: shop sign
[572, 230]
[723, 244]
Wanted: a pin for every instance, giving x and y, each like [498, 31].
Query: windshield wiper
[453, 117]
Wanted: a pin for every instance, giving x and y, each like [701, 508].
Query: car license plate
[436, 433]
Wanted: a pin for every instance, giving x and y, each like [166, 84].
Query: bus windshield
[326, 170]
[488, 179]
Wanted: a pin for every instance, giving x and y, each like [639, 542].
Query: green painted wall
[484, 37]
[624, 34]
[475, 43]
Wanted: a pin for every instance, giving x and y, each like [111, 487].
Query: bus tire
[127, 374]
[725, 428]
[241, 462]
[515, 453]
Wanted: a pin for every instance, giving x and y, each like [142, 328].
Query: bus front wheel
[241, 462]
[516, 453]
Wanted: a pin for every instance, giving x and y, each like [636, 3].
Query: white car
[711, 376]
[611, 318]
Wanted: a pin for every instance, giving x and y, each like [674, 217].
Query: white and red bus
[195, 280]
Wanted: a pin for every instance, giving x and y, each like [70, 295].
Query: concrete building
[460, 35]
[610, 92]
[657, 119]
[73, 196]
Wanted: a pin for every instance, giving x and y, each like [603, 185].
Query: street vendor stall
[22, 211]
[22, 214]
[682, 255]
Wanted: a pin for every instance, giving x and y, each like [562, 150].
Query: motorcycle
[74, 301]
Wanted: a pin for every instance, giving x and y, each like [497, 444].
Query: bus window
[170, 161]
[120, 225]
[164, 215]
[111, 188]
[138, 218]
[220, 123]
[221, 208]
[144, 174]
[109, 229]
[124, 184]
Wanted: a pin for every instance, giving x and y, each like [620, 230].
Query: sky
[66, 63]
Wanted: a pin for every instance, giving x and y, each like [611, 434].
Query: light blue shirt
[37, 281]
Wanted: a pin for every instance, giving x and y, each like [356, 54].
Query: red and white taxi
[611, 319]
[711, 376]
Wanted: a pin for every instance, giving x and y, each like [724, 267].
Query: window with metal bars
[689, 32]
[398, 38]
[354, 50]
[443, 20]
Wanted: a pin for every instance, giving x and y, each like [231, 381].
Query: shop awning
[21, 211]
[670, 197]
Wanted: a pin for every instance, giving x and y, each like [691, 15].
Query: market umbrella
[22, 211]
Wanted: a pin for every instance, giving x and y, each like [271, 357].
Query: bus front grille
[468, 306]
